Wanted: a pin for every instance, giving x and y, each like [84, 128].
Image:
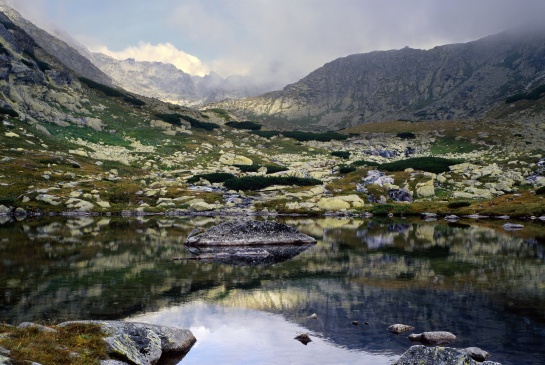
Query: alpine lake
[473, 278]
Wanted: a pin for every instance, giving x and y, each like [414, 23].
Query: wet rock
[313, 316]
[512, 226]
[142, 343]
[400, 328]
[355, 323]
[476, 353]
[4, 210]
[433, 338]
[303, 338]
[247, 233]
[423, 355]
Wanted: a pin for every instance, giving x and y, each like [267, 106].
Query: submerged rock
[247, 233]
[423, 355]
[304, 338]
[512, 226]
[433, 338]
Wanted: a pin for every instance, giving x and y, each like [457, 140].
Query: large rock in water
[423, 355]
[142, 343]
[248, 233]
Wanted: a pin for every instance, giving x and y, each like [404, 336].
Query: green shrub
[382, 209]
[344, 169]
[430, 164]
[271, 169]
[4, 50]
[248, 125]
[534, 94]
[365, 163]
[43, 66]
[262, 182]
[105, 89]
[266, 134]
[460, 204]
[406, 135]
[198, 124]
[12, 113]
[341, 154]
[134, 101]
[248, 168]
[215, 177]
[170, 118]
[540, 191]
[309, 136]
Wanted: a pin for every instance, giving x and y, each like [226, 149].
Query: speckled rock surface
[249, 233]
[423, 355]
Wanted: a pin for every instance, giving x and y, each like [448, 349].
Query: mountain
[166, 82]
[71, 58]
[447, 82]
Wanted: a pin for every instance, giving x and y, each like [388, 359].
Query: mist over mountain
[166, 82]
[447, 82]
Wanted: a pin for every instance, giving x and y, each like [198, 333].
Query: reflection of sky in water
[240, 336]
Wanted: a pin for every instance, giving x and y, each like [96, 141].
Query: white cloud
[163, 52]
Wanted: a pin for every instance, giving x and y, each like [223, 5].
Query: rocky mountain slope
[448, 82]
[71, 58]
[168, 83]
[70, 145]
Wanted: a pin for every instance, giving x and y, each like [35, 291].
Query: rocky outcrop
[423, 355]
[448, 82]
[141, 343]
[433, 338]
[247, 233]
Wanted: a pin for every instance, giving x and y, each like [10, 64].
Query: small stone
[433, 338]
[303, 338]
[477, 354]
[313, 316]
[355, 323]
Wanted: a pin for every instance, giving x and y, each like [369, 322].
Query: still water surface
[479, 281]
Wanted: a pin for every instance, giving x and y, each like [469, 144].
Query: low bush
[198, 124]
[382, 209]
[248, 125]
[459, 204]
[172, 118]
[365, 163]
[271, 169]
[262, 182]
[344, 169]
[105, 89]
[534, 94]
[215, 177]
[406, 135]
[266, 134]
[341, 154]
[430, 164]
[540, 191]
[309, 136]
[12, 113]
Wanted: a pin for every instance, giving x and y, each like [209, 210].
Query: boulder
[334, 204]
[476, 353]
[142, 343]
[246, 233]
[423, 355]
[400, 328]
[400, 195]
[232, 159]
[4, 210]
[433, 338]
[425, 190]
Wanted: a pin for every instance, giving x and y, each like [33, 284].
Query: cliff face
[69, 57]
[446, 82]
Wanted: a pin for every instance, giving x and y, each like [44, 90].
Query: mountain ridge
[463, 80]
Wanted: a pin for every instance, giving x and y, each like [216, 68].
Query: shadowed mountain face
[447, 82]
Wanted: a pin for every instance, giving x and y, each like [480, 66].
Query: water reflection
[240, 336]
[479, 281]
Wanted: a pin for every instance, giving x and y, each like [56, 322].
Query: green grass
[32, 345]
[443, 145]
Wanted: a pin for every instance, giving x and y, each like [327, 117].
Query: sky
[272, 40]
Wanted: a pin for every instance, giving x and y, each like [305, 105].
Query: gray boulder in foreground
[423, 355]
[142, 343]
[246, 233]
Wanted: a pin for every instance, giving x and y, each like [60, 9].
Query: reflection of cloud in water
[240, 336]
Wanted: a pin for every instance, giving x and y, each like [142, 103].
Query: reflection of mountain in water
[248, 255]
[480, 282]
